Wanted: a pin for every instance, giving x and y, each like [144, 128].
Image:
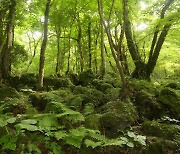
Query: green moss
[170, 98]
[101, 85]
[56, 83]
[91, 95]
[86, 77]
[166, 131]
[93, 121]
[38, 100]
[117, 116]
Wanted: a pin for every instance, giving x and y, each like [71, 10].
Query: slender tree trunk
[58, 33]
[118, 64]
[80, 45]
[43, 46]
[89, 45]
[103, 64]
[69, 50]
[8, 45]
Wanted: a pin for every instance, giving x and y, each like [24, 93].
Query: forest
[89, 76]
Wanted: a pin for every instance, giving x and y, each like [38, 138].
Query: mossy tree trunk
[7, 45]
[43, 46]
[144, 70]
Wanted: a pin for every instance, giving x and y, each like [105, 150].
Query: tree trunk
[89, 45]
[43, 46]
[80, 45]
[118, 64]
[58, 33]
[103, 64]
[8, 45]
[69, 50]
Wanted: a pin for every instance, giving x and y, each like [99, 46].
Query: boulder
[6, 92]
[93, 121]
[117, 116]
[170, 99]
[165, 131]
[86, 77]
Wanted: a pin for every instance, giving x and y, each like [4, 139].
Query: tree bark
[89, 45]
[103, 62]
[58, 33]
[43, 46]
[8, 45]
[112, 46]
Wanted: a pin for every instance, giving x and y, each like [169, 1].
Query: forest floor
[85, 115]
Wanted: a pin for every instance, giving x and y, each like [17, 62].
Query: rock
[156, 145]
[170, 99]
[56, 83]
[146, 105]
[75, 103]
[74, 78]
[117, 116]
[86, 77]
[93, 121]
[101, 85]
[166, 131]
[90, 95]
[39, 101]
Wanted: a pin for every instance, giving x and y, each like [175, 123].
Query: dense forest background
[89, 76]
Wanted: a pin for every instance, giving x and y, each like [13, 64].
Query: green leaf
[141, 139]
[131, 134]
[11, 120]
[130, 144]
[90, 143]
[29, 121]
[3, 122]
[28, 127]
[60, 134]
[10, 146]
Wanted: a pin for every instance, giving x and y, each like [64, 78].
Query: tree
[7, 44]
[143, 70]
[43, 46]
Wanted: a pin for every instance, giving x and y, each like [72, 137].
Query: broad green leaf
[29, 121]
[11, 120]
[28, 127]
[130, 144]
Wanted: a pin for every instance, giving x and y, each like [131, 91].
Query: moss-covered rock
[91, 95]
[156, 145]
[8, 92]
[101, 85]
[117, 116]
[86, 77]
[93, 121]
[56, 83]
[38, 100]
[146, 105]
[170, 99]
[166, 131]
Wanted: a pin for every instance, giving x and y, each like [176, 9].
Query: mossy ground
[97, 106]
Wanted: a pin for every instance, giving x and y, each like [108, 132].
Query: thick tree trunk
[43, 46]
[8, 45]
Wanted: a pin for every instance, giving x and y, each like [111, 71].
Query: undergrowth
[54, 132]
